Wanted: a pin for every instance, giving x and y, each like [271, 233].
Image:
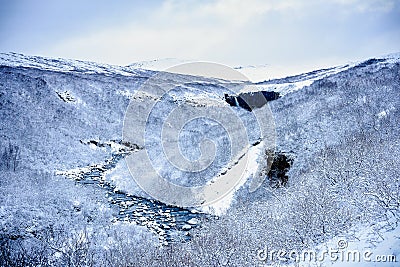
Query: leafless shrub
[10, 157]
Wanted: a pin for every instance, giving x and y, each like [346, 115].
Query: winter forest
[67, 197]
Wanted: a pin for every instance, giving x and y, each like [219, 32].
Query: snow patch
[384, 113]
[284, 88]
[220, 207]
[125, 93]
[123, 180]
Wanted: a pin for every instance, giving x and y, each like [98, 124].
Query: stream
[169, 223]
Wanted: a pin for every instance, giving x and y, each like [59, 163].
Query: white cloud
[185, 29]
[368, 5]
[289, 33]
[237, 11]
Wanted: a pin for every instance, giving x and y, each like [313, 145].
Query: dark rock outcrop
[279, 168]
[251, 100]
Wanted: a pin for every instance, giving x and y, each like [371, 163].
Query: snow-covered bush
[9, 157]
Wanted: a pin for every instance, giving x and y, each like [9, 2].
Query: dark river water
[169, 223]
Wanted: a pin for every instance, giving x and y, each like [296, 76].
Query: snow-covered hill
[76, 101]
[284, 85]
[158, 64]
[63, 147]
[65, 65]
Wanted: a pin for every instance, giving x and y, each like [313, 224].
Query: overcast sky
[293, 34]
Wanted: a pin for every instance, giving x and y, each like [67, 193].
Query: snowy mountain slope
[34, 101]
[157, 64]
[86, 103]
[346, 154]
[66, 65]
[329, 108]
[296, 82]
[77, 100]
[341, 131]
